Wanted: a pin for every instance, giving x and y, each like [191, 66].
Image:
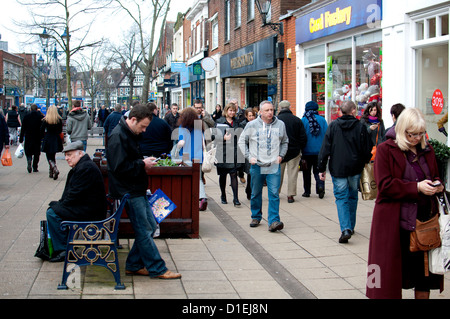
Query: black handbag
[44, 250]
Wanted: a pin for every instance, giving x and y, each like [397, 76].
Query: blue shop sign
[256, 56]
[336, 17]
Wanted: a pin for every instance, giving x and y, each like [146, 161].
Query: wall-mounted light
[265, 9]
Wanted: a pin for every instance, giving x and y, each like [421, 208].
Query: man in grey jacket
[264, 142]
[78, 124]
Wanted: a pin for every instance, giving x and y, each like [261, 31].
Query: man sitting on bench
[83, 199]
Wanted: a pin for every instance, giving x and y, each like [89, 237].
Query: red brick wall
[289, 65]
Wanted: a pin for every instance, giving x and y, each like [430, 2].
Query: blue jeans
[59, 237]
[346, 193]
[144, 253]
[273, 184]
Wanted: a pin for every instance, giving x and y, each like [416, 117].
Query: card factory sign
[338, 16]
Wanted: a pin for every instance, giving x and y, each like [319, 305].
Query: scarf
[373, 120]
[314, 127]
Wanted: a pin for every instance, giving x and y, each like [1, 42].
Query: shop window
[431, 27]
[431, 76]
[339, 75]
[368, 70]
[444, 24]
[419, 30]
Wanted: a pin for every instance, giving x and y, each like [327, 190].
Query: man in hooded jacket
[78, 124]
[348, 146]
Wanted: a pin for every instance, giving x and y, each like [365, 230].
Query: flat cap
[77, 145]
[284, 104]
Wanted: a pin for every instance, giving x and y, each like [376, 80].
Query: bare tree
[62, 19]
[158, 13]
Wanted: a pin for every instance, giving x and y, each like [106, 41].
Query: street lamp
[265, 10]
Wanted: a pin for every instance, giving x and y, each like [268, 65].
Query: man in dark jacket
[127, 175]
[157, 138]
[172, 117]
[297, 141]
[4, 134]
[83, 199]
[348, 145]
[31, 128]
[111, 122]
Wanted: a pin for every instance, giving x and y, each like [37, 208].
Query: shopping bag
[439, 258]
[367, 184]
[19, 151]
[45, 249]
[6, 158]
[161, 205]
[209, 158]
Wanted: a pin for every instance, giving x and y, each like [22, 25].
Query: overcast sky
[105, 26]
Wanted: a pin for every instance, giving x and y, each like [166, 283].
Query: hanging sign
[437, 101]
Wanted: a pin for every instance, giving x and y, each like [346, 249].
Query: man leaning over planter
[127, 175]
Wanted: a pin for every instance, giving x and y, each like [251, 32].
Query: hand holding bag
[6, 158]
[374, 149]
[19, 151]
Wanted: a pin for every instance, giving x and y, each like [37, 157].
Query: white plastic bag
[19, 151]
[439, 258]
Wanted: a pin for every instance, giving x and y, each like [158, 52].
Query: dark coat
[157, 138]
[4, 133]
[126, 167]
[111, 122]
[295, 132]
[348, 146]
[51, 133]
[172, 120]
[224, 161]
[384, 244]
[31, 132]
[84, 197]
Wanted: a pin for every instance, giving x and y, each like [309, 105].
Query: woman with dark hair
[190, 144]
[374, 123]
[13, 121]
[217, 114]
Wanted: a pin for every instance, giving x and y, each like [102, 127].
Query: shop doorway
[256, 93]
[315, 87]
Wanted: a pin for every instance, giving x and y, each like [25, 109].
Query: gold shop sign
[241, 61]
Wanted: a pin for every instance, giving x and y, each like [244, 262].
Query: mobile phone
[436, 184]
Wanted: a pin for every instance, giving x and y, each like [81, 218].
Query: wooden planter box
[181, 185]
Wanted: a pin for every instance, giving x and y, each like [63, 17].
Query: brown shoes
[169, 275]
[144, 272]
[140, 272]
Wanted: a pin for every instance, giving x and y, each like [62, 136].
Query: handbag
[209, 158]
[6, 158]
[439, 258]
[45, 249]
[426, 236]
[367, 184]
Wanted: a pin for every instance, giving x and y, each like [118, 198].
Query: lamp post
[265, 10]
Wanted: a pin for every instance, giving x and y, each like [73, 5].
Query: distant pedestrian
[4, 134]
[230, 158]
[396, 110]
[217, 114]
[172, 117]
[78, 124]
[348, 146]
[297, 141]
[30, 132]
[374, 123]
[315, 127]
[157, 138]
[51, 129]
[250, 115]
[264, 142]
[13, 122]
[102, 115]
[111, 121]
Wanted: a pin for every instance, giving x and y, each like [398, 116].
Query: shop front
[249, 74]
[339, 55]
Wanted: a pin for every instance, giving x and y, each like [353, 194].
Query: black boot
[50, 170]
[54, 170]
[29, 165]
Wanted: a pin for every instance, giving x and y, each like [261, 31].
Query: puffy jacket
[348, 146]
[126, 168]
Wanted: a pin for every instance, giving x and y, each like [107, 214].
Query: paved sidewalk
[230, 260]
